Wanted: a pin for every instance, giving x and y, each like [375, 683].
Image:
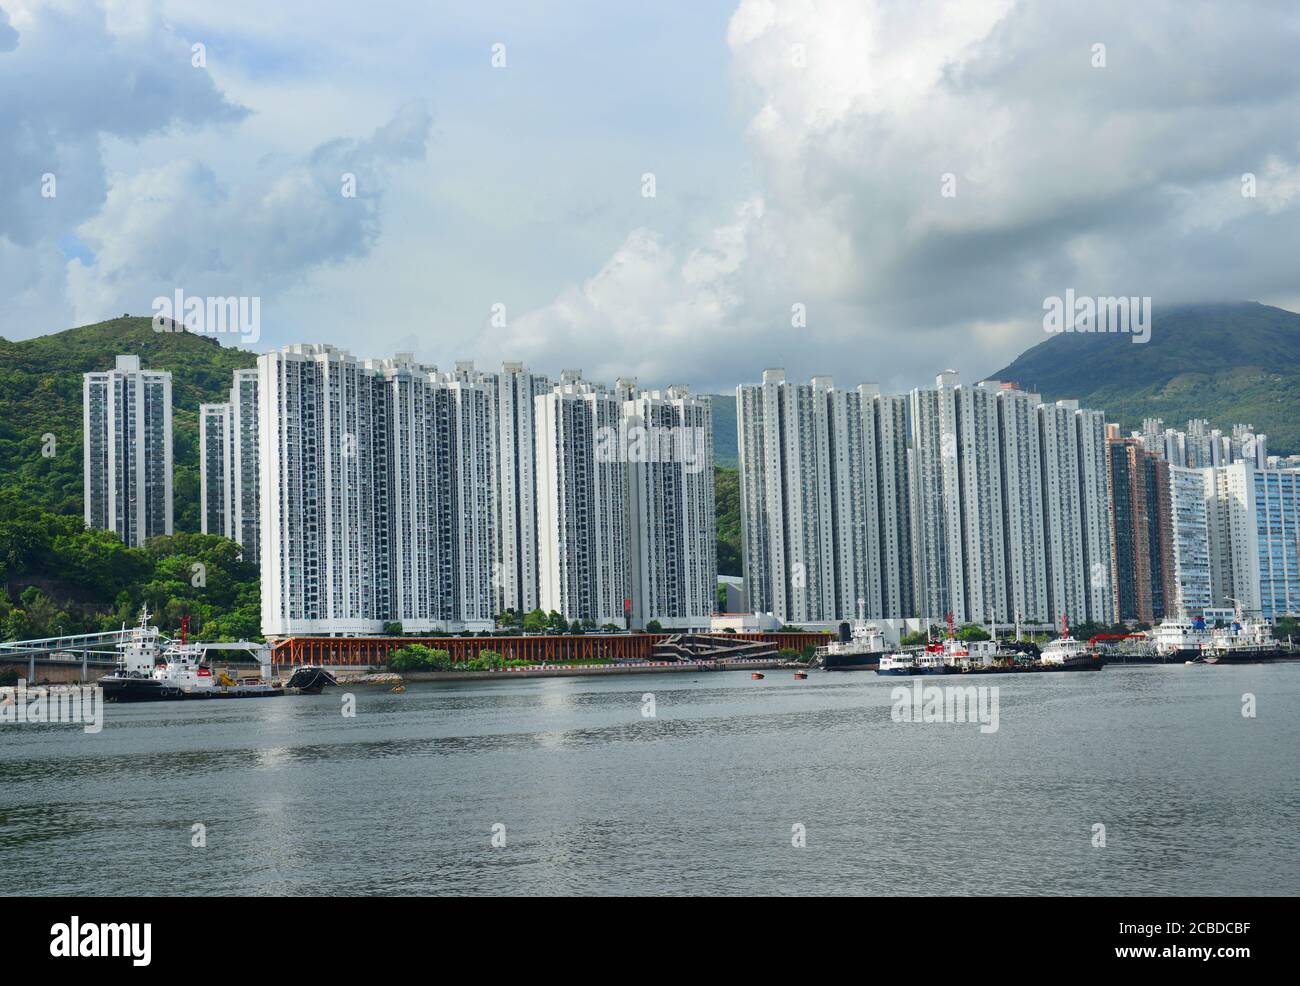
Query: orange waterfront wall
[583, 647]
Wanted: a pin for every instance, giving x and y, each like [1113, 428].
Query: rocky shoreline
[372, 678]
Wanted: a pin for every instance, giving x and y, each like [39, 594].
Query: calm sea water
[702, 798]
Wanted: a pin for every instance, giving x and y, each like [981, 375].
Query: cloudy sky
[797, 150]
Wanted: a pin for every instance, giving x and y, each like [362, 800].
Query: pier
[541, 649]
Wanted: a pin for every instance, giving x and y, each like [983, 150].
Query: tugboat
[932, 660]
[941, 658]
[859, 651]
[898, 665]
[1067, 654]
[953, 656]
[1178, 639]
[1247, 641]
[146, 672]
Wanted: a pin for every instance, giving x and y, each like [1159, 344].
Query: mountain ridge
[1227, 362]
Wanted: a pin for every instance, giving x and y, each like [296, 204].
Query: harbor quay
[621, 651]
[93, 658]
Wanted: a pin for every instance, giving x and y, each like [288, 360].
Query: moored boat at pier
[857, 650]
[151, 668]
[898, 664]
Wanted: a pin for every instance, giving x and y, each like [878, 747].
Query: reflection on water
[701, 798]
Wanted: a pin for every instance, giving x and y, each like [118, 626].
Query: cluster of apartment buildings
[385, 491]
[1199, 446]
[989, 504]
[983, 502]
[1200, 521]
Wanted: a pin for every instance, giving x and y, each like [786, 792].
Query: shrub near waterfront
[488, 660]
[417, 657]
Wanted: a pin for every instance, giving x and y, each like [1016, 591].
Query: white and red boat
[152, 668]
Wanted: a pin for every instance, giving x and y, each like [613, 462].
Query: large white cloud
[646, 309]
[180, 226]
[1117, 179]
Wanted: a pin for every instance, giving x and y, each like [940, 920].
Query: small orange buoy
[757, 676]
[801, 675]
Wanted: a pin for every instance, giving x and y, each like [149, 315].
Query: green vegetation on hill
[1229, 363]
[40, 394]
[65, 579]
[725, 451]
[726, 494]
[59, 577]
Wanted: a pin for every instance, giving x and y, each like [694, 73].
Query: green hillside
[59, 577]
[726, 484]
[40, 394]
[725, 452]
[1230, 363]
